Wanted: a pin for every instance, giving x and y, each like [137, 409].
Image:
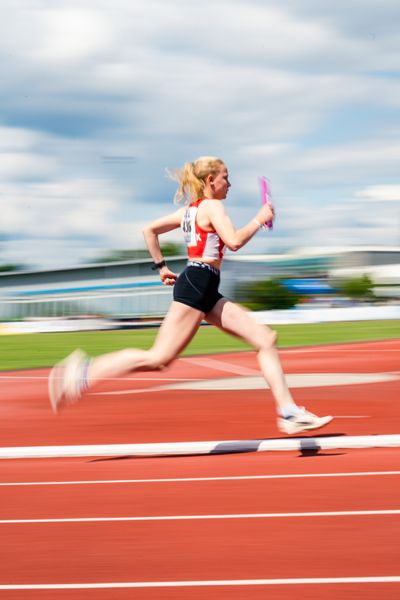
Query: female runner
[207, 230]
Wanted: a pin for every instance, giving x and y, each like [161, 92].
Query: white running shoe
[304, 421]
[66, 380]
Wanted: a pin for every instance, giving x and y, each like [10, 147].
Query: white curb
[301, 444]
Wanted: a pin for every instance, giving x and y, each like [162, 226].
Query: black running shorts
[197, 286]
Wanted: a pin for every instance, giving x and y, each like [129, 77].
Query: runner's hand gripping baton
[265, 197]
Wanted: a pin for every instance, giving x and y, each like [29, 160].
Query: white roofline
[318, 251]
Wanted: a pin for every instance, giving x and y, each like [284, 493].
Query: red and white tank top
[200, 243]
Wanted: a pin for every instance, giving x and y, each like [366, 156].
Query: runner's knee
[159, 361]
[274, 338]
[268, 338]
[143, 360]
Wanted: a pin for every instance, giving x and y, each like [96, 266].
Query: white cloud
[72, 34]
[350, 162]
[56, 35]
[385, 193]
[63, 209]
[15, 138]
[21, 165]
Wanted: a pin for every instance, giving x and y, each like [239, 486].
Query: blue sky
[99, 98]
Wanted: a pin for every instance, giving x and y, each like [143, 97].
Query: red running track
[212, 547]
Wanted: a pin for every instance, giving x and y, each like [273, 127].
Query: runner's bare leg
[236, 320]
[176, 331]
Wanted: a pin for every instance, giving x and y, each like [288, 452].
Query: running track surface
[249, 526]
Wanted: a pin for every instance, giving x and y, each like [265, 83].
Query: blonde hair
[192, 177]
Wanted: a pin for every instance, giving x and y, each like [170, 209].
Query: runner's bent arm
[151, 233]
[232, 237]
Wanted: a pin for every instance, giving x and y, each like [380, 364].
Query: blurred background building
[131, 290]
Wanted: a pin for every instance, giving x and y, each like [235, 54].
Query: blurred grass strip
[44, 349]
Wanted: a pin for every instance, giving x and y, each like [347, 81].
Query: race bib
[189, 226]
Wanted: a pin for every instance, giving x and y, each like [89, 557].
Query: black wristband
[158, 265]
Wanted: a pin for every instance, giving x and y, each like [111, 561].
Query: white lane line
[294, 515]
[256, 382]
[328, 348]
[201, 583]
[200, 479]
[220, 365]
[352, 417]
[295, 380]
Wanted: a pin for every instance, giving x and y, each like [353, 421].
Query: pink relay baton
[265, 197]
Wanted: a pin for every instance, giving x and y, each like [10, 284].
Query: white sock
[290, 410]
[84, 383]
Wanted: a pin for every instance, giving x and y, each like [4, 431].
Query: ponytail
[192, 178]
